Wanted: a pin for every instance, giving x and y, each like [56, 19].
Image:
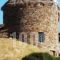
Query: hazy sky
[2, 2]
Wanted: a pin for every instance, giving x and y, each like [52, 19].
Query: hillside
[8, 52]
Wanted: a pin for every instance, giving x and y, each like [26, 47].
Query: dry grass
[8, 52]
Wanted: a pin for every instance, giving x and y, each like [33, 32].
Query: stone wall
[34, 17]
[28, 1]
[3, 32]
[40, 18]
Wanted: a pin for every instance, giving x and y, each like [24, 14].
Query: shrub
[38, 56]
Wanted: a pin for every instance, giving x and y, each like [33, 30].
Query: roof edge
[3, 7]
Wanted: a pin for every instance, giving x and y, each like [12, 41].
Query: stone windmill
[33, 17]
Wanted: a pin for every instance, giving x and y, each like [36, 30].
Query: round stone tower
[35, 18]
[39, 17]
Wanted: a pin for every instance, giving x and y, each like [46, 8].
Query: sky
[58, 2]
[2, 2]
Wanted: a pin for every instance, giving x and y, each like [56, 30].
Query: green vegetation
[40, 56]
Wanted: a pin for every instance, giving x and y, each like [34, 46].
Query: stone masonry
[33, 16]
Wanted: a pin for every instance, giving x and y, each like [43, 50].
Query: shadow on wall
[11, 17]
[40, 56]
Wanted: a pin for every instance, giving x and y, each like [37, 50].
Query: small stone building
[37, 18]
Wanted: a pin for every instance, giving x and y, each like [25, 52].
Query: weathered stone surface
[29, 1]
[41, 19]
[3, 31]
[34, 17]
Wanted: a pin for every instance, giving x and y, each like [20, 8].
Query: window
[41, 36]
[58, 17]
[59, 37]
